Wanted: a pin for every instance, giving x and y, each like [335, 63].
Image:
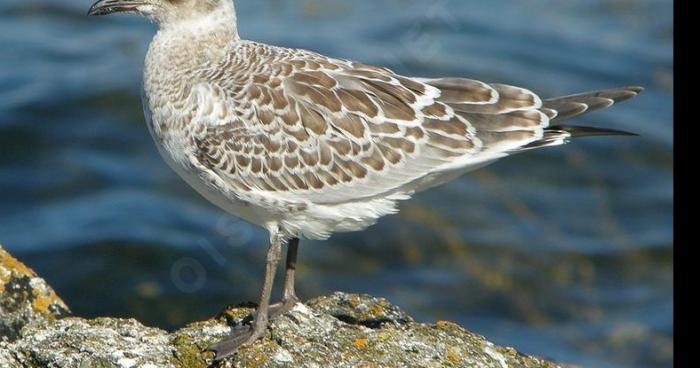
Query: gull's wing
[328, 131]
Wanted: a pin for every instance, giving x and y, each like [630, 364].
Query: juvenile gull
[306, 145]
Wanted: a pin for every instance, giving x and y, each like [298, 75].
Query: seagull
[305, 145]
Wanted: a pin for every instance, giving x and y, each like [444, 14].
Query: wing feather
[313, 129]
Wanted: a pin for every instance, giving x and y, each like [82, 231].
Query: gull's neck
[220, 22]
[186, 45]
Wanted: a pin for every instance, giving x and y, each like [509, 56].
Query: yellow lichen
[188, 354]
[360, 343]
[384, 336]
[445, 325]
[41, 304]
[13, 268]
[453, 357]
[354, 302]
[12, 264]
[235, 314]
[377, 310]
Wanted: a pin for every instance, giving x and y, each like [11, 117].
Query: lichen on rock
[25, 298]
[340, 330]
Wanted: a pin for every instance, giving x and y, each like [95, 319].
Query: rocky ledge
[340, 330]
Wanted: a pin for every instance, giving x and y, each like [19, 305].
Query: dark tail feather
[585, 131]
[559, 134]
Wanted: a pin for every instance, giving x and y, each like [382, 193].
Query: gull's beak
[104, 7]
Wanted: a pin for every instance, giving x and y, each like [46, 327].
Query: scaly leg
[245, 335]
[290, 270]
[289, 297]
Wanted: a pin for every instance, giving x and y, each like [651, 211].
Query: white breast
[174, 152]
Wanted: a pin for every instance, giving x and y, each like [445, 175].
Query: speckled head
[166, 12]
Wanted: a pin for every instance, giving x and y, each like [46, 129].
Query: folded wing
[309, 128]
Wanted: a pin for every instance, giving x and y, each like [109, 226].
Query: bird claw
[281, 308]
[242, 335]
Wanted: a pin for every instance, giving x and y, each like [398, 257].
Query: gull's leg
[289, 297]
[290, 270]
[243, 335]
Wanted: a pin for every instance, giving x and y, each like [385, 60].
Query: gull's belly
[230, 204]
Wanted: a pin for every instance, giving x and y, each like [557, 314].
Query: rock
[25, 298]
[360, 309]
[102, 342]
[341, 330]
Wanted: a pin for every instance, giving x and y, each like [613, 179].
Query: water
[564, 253]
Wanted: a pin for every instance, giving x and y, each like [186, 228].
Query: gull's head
[162, 11]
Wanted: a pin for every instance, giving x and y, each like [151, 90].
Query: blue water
[564, 253]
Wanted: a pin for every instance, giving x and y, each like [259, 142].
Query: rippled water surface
[564, 253]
